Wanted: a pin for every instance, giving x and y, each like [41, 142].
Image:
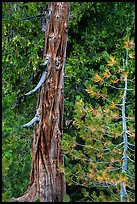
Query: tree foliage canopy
[101, 36]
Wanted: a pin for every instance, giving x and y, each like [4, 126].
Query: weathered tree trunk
[46, 179]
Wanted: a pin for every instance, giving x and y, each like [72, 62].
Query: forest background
[100, 59]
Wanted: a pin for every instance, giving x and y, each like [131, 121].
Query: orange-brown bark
[46, 179]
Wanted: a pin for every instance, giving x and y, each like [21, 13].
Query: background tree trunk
[46, 178]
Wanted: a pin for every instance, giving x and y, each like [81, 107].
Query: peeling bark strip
[46, 179]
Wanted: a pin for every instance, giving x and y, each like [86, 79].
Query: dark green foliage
[37, 200]
[96, 31]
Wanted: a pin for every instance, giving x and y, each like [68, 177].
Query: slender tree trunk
[46, 178]
[123, 192]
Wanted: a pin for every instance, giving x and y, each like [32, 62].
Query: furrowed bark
[47, 181]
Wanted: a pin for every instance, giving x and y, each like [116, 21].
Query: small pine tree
[104, 149]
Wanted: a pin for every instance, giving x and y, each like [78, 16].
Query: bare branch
[109, 101]
[87, 146]
[131, 159]
[112, 85]
[42, 80]
[27, 18]
[110, 170]
[118, 144]
[130, 148]
[33, 121]
[101, 162]
[46, 62]
[130, 176]
[131, 144]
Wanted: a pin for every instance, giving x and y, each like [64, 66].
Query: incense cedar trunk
[47, 183]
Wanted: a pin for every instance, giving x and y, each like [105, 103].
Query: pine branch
[131, 144]
[109, 135]
[118, 144]
[110, 101]
[93, 185]
[131, 159]
[110, 170]
[101, 162]
[130, 148]
[131, 176]
[112, 85]
[87, 146]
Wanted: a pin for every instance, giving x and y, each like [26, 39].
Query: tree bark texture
[47, 181]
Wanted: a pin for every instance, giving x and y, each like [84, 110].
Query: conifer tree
[105, 153]
[96, 30]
